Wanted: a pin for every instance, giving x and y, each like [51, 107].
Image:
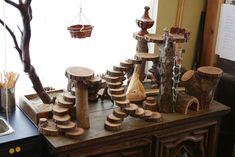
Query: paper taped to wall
[225, 46]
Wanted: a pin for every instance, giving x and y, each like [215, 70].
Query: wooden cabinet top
[130, 127]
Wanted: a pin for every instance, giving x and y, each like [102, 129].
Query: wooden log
[75, 133]
[202, 84]
[113, 119]
[112, 127]
[186, 102]
[155, 117]
[67, 127]
[43, 122]
[61, 119]
[123, 103]
[60, 111]
[119, 113]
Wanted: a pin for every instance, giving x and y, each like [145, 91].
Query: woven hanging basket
[80, 31]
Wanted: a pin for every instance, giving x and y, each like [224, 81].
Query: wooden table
[196, 134]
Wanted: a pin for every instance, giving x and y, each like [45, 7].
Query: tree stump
[202, 84]
[82, 76]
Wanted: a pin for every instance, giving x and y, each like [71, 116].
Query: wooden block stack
[114, 80]
[61, 123]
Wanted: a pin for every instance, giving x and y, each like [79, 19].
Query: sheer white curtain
[52, 49]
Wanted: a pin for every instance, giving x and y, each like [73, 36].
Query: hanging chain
[176, 75]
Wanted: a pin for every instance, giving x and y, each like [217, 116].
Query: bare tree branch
[14, 39]
[12, 3]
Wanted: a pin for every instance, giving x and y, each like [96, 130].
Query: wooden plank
[210, 32]
[180, 11]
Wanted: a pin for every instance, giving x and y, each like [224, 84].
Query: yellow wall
[166, 17]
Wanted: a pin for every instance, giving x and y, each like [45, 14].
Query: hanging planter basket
[80, 31]
[83, 29]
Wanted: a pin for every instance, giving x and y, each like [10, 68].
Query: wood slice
[112, 127]
[61, 119]
[146, 56]
[50, 130]
[151, 100]
[126, 64]
[121, 68]
[139, 112]
[60, 111]
[131, 109]
[119, 113]
[155, 117]
[123, 104]
[67, 127]
[75, 133]
[119, 97]
[147, 114]
[95, 81]
[69, 97]
[158, 39]
[187, 75]
[79, 73]
[116, 91]
[63, 103]
[135, 61]
[114, 85]
[210, 71]
[112, 79]
[115, 73]
[150, 104]
[113, 119]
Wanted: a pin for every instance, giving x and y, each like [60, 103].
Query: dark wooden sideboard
[195, 134]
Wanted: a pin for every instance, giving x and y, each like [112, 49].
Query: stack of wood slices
[61, 123]
[123, 106]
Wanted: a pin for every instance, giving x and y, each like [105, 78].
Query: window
[52, 49]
